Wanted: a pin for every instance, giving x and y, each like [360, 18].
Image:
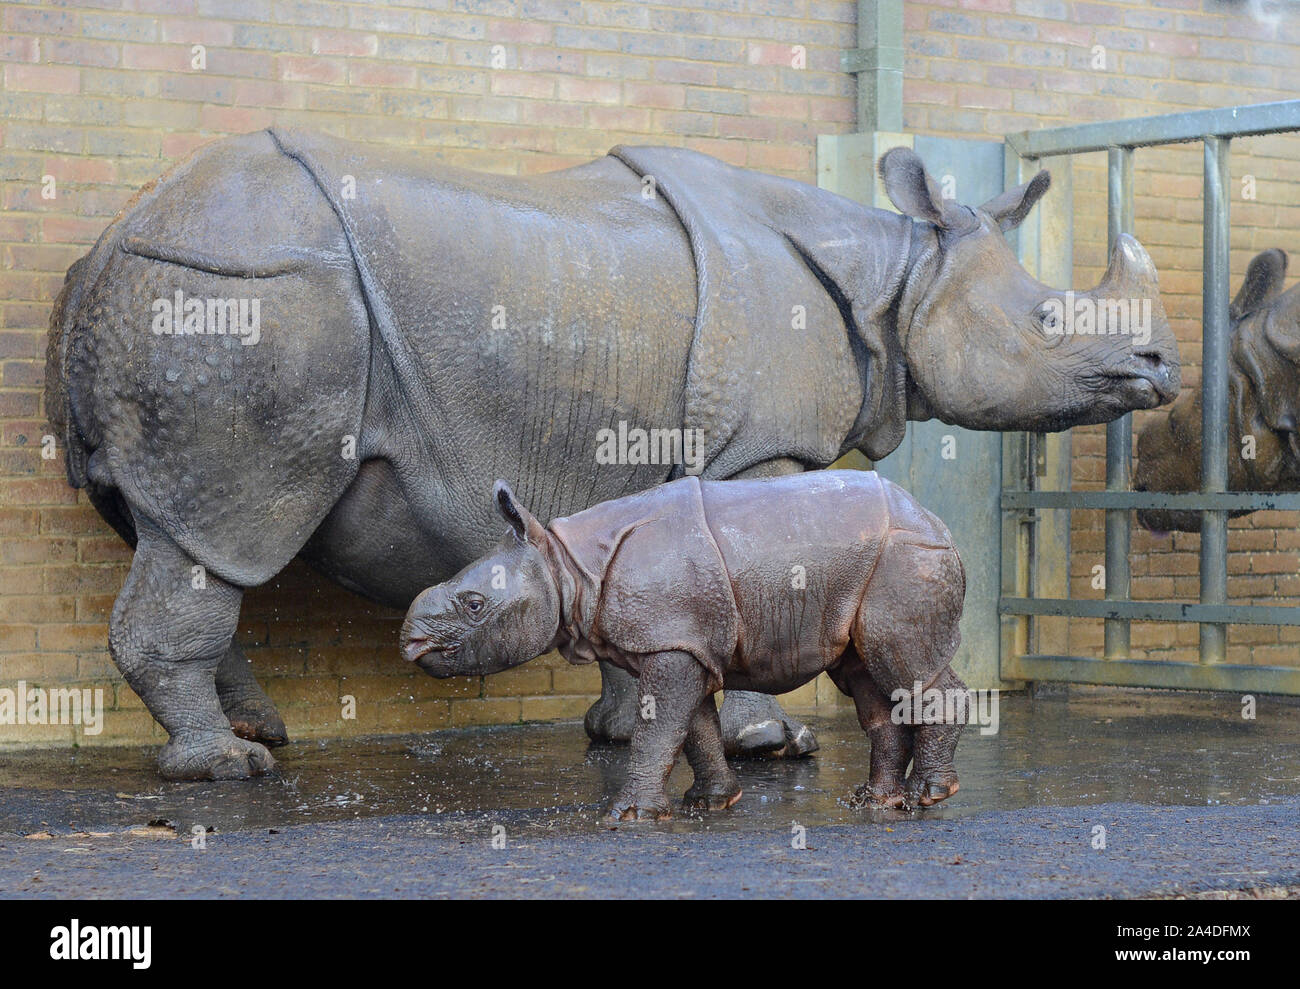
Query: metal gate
[1023, 453]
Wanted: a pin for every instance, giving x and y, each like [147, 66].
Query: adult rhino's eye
[473, 603]
[1050, 323]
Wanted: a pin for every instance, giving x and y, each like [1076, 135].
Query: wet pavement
[1188, 796]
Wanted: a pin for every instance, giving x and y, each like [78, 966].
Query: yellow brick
[525, 680]
[485, 711]
[571, 679]
[556, 708]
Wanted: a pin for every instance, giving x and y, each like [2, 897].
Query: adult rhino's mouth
[1150, 380]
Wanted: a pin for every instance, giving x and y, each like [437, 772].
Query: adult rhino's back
[443, 326]
[520, 317]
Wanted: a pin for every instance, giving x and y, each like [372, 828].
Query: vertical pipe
[1214, 391]
[880, 81]
[1119, 434]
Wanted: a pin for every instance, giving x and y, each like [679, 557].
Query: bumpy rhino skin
[1263, 403]
[696, 586]
[426, 330]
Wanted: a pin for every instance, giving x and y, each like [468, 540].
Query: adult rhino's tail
[60, 403]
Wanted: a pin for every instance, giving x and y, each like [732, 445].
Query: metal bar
[1156, 673]
[1119, 433]
[1169, 128]
[1214, 391]
[878, 64]
[1152, 611]
[1234, 501]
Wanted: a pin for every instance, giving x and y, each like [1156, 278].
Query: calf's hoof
[213, 756]
[635, 808]
[256, 723]
[878, 795]
[711, 797]
[930, 789]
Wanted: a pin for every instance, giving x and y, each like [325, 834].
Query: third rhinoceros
[292, 345]
[1263, 403]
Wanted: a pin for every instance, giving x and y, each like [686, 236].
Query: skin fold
[425, 330]
[696, 586]
[1263, 404]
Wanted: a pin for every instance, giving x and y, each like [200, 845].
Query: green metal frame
[1215, 129]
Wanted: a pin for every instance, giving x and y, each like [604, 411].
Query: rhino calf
[696, 586]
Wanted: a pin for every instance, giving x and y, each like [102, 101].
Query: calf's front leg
[671, 687]
[715, 786]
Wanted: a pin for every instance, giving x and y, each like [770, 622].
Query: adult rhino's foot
[250, 712]
[612, 718]
[256, 720]
[213, 756]
[641, 806]
[927, 788]
[755, 725]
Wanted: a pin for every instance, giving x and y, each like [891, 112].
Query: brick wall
[103, 96]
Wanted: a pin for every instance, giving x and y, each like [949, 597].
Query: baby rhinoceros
[696, 586]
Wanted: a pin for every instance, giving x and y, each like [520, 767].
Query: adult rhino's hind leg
[613, 717]
[756, 725]
[168, 637]
[251, 713]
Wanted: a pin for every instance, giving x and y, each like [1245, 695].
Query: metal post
[1214, 391]
[1119, 433]
[878, 64]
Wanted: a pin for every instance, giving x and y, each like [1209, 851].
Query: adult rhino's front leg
[752, 724]
[169, 638]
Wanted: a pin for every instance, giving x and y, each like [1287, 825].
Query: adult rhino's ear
[527, 528]
[1009, 208]
[910, 187]
[1264, 278]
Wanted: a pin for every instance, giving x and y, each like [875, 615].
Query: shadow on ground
[1189, 797]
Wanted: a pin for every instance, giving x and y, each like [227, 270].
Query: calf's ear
[527, 528]
[1010, 208]
[1264, 278]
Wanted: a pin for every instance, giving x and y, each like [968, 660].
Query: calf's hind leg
[933, 777]
[891, 742]
[168, 637]
[906, 633]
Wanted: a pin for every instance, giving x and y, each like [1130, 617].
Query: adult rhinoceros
[1263, 403]
[411, 332]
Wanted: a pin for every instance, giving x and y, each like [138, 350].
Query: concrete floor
[1193, 800]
